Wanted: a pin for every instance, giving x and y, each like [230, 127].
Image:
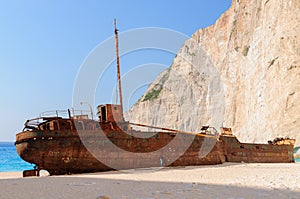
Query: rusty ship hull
[64, 149]
[63, 152]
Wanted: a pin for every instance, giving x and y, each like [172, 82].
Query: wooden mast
[118, 65]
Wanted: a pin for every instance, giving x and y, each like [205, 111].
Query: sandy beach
[220, 181]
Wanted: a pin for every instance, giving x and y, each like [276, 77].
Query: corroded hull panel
[62, 155]
[256, 153]
[59, 155]
[64, 152]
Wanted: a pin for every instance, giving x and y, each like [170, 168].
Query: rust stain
[54, 145]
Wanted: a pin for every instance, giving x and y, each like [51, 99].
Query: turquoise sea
[10, 161]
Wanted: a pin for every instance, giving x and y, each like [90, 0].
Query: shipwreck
[58, 144]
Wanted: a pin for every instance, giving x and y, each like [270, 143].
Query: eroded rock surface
[242, 72]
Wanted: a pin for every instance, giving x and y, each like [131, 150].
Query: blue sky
[43, 44]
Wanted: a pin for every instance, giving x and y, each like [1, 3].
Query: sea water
[10, 160]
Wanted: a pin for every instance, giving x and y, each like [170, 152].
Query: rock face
[242, 72]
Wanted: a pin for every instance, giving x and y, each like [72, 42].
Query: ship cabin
[110, 113]
[62, 124]
[107, 113]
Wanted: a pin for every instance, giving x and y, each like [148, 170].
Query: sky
[43, 44]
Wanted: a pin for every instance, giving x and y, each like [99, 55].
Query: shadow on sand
[81, 187]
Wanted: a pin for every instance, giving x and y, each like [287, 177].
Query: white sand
[220, 181]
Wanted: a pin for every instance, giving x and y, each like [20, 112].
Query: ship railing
[65, 113]
[34, 123]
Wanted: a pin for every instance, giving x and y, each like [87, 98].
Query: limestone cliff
[242, 72]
